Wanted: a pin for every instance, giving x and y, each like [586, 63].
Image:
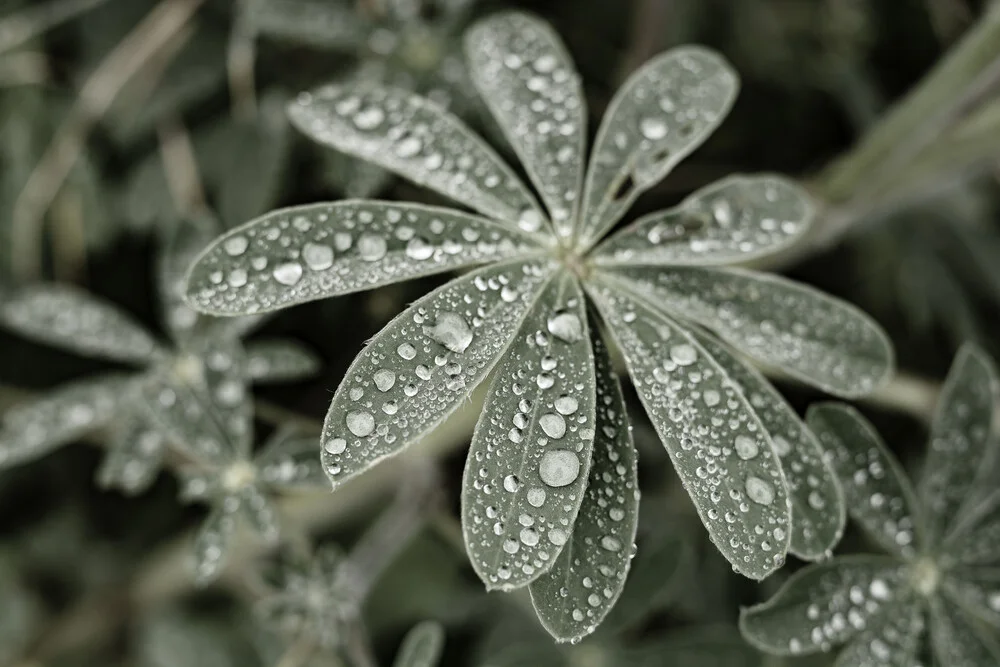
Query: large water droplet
[653, 128]
[419, 249]
[406, 351]
[451, 331]
[369, 119]
[746, 447]
[317, 256]
[384, 379]
[536, 496]
[683, 354]
[566, 326]
[759, 491]
[288, 273]
[371, 248]
[554, 425]
[559, 467]
[335, 445]
[236, 245]
[530, 220]
[360, 423]
[566, 405]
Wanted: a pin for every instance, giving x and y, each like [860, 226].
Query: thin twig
[152, 34]
[241, 57]
[181, 169]
[69, 242]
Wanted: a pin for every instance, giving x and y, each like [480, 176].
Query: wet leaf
[895, 642]
[135, 454]
[528, 80]
[877, 491]
[321, 23]
[719, 448]
[976, 589]
[259, 512]
[309, 252]
[418, 140]
[732, 220]
[280, 361]
[588, 576]
[424, 364]
[291, 460]
[74, 320]
[211, 544]
[422, 646]
[662, 113]
[827, 604]
[956, 640]
[818, 513]
[527, 467]
[33, 429]
[185, 242]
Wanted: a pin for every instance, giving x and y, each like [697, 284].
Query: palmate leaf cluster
[550, 495]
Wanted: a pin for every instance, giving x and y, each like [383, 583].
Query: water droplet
[529, 536]
[711, 397]
[530, 220]
[406, 351]
[759, 491]
[288, 273]
[451, 331]
[559, 467]
[236, 245]
[335, 445]
[371, 248]
[781, 446]
[611, 543]
[419, 249]
[653, 128]
[566, 405]
[536, 497]
[317, 256]
[408, 147]
[746, 447]
[566, 326]
[384, 379]
[557, 536]
[554, 425]
[360, 423]
[511, 483]
[683, 354]
[369, 119]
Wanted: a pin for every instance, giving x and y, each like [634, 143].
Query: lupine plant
[550, 495]
[938, 581]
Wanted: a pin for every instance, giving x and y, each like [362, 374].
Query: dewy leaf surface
[309, 252]
[422, 646]
[732, 220]
[33, 429]
[135, 454]
[527, 79]
[822, 341]
[279, 361]
[664, 111]
[828, 604]
[291, 460]
[424, 363]
[420, 141]
[186, 242]
[956, 641]
[719, 448]
[211, 544]
[527, 467]
[976, 589]
[818, 513]
[74, 320]
[895, 642]
[958, 467]
[588, 576]
[876, 490]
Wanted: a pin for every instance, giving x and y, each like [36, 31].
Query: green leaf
[280, 361]
[877, 491]
[818, 513]
[733, 220]
[588, 576]
[693, 647]
[74, 320]
[354, 178]
[290, 460]
[662, 113]
[826, 604]
[212, 543]
[719, 448]
[976, 589]
[975, 539]
[135, 454]
[258, 511]
[424, 364]
[422, 646]
[958, 470]
[34, 429]
[185, 242]
[526, 472]
[956, 641]
[320, 23]
[528, 80]
[420, 141]
[822, 341]
[895, 642]
[310, 252]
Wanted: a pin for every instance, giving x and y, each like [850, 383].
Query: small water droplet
[419, 249]
[371, 248]
[369, 119]
[236, 245]
[759, 491]
[683, 354]
[566, 405]
[384, 379]
[611, 543]
[360, 423]
[536, 496]
[653, 128]
[288, 273]
[746, 447]
[406, 351]
[530, 220]
[559, 467]
[317, 256]
[335, 445]
[511, 483]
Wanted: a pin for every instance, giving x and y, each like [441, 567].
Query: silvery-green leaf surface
[420, 141]
[259, 512]
[185, 242]
[135, 454]
[75, 320]
[279, 361]
[309, 252]
[975, 538]
[212, 542]
[527, 468]
[895, 642]
[31, 430]
[422, 646]
[355, 178]
[199, 398]
[877, 492]
[956, 640]
[958, 469]
[425, 362]
[662, 113]
[730, 221]
[822, 341]
[324, 24]
[21, 613]
[588, 576]
[818, 513]
[718, 446]
[826, 604]
[527, 79]
[291, 460]
[977, 589]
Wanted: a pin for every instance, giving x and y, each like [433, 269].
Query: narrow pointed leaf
[354, 178]
[893, 642]
[818, 513]
[731, 221]
[877, 492]
[526, 471]
[955, 639]
[74, 320]
[975, 538]
[260, 513]
[310, 252]
[424, 364]
[958, 471]
[827, 604]
[719, 448]
[422, 646]
[415, 138]
[31, 430]
[134, 456]
[186, 242]
[319, 23]
[588, 576]
[822, 341]
[976, 589]
[212, 543]
[279, 361]
[291, 460]
[662, 113]
[529, 82]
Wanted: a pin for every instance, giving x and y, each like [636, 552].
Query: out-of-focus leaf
[694, 647]
[280, 361]
[327, 24]
[134, 456]
[291, 460]
[211, 544]
[422, 646]
[956, 640]
[20, 614]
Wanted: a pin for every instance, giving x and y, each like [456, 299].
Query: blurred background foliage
[122, 119]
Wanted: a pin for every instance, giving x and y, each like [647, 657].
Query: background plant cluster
[134, 132]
